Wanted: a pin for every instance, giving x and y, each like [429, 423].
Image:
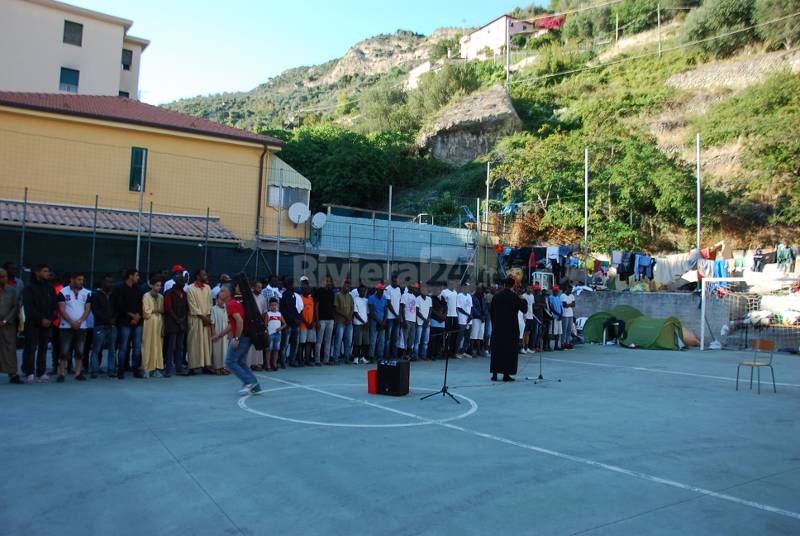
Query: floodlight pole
[586, 198]
[280, 214]
[508, 53]
[658, 15]
[486, 223]
[141, 206]
[697, 156]
[389, 235]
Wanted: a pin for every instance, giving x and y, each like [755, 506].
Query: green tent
[654, 333]
[593, 329]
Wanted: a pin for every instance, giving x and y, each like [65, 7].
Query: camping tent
[593, 329]
[654, 333]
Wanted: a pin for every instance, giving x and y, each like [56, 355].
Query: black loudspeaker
[393, 377]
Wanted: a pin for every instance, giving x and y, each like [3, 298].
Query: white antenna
[318, 221]
[299, 213]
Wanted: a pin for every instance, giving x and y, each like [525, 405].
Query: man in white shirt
[568, 317]
[464, 307]
[408, 304]
[224, 279]
[423, 304]
[393, 317]
[527, 339]
[360, 325]
[272, 290]
[73, 309]
[450, 297]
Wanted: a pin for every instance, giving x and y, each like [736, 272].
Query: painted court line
[645, 369]
[563, 456]
[473, 407]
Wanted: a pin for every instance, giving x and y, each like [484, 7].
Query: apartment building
[59, 47]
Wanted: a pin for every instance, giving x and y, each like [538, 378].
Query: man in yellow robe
[153, 331]
[198, 347]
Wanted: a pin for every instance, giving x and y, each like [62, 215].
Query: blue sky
[200, 47]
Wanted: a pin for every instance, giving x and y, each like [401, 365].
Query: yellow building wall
[65, 161]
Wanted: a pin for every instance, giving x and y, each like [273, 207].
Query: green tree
[440, 48]
[383, 109]
[349, 168]
[783, 33]
[718, 18]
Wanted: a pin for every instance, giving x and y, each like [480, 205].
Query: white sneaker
[44, 378]
[245, 390]
[363, 361]
[458, 356]
[31, 379]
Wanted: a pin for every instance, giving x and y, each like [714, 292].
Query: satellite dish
[299, 213]
[318, 221]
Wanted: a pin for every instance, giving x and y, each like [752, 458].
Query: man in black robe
[505, 331]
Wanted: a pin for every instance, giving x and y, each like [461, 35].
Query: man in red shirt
[236, 356]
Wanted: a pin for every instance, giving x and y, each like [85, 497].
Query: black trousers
[435, 343]
[36, 340]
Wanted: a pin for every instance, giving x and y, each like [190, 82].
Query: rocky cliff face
[470, 127]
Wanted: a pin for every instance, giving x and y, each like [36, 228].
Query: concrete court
[631, 442]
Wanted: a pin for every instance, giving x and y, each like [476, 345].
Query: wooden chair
[759, 346]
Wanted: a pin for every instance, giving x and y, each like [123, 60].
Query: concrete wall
[129, 80]
[683, 305]
[67, 160]
[34, 31]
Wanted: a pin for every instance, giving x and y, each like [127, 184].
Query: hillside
[728, 70]
[318, 90]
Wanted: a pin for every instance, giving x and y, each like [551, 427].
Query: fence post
[350, 250]
[24, 229]
[94, 241]
[149, 238]
[205, 244]
[430, 255]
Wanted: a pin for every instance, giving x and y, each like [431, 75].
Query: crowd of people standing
[171, 324]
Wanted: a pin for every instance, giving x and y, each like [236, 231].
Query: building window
[290, 196]
[69, 80]
[125, 94]
[73, 33]
[138, 168]
[127, 59]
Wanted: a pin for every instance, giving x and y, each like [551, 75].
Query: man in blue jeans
[377, 323]
[236, 356]
[127, 301]
[105, 332]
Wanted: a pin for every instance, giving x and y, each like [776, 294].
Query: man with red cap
[177, 271]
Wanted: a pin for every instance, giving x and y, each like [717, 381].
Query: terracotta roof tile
[124, 110]
[82, 218]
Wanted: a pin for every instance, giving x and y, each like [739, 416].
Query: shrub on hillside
[586, 25]
[383, 109]
[783, 33]
[722, 23]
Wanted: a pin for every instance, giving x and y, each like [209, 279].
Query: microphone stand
[444, 391]
[540, 378]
